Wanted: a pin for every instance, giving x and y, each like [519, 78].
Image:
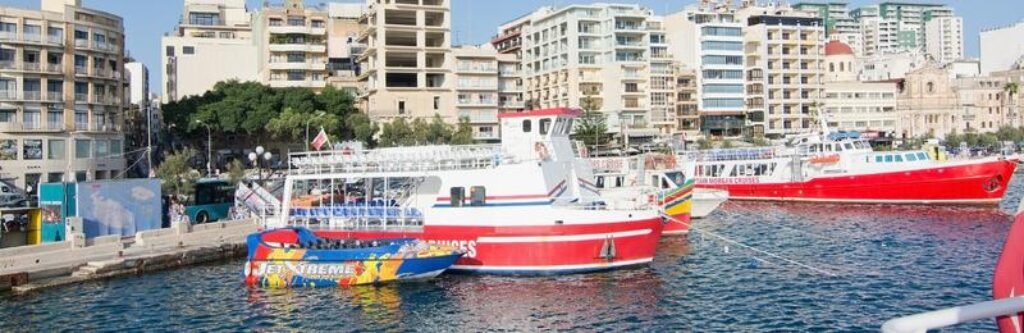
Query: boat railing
[402, 159]
[933, 320]
[374, 215]
[734, 154]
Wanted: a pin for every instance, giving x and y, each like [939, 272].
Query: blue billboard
[119, 207]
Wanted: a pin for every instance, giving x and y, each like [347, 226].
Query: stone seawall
[28, 268]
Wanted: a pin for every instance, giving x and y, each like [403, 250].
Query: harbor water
[882, 262]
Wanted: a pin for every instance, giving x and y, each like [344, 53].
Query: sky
[475, 21]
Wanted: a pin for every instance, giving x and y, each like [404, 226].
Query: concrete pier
[28, 268]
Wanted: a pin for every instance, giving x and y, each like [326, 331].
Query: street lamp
[316, 115]
[254, 157]
[209, 147]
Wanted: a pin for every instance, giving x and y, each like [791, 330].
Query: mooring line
[731, 241]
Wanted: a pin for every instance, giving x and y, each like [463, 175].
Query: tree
[704, 144]
[236, 171]
[363, 129]
[591, 127]
[176, 176]
[463, 133]
[396, 133]
[726, 144]
[290, 125]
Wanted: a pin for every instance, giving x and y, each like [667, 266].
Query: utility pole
[149, 139]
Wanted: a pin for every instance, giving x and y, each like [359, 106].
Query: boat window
[815, 148]
[847, 146]
[878, 158]
[654, 180]
[899, 158]
[458, 196]
[545, 125]
[527, 126]
[599, 182]
[665, 183]
[828, 147]
[477, 196]
[888, 158]
[618, 181]
[568, 127]
[922, 156]
[863, 145]
[676, 177]
[911, 157]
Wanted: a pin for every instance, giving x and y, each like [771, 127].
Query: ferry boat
[295, 257]
[519, 207]
[675, 193]
[847, 170]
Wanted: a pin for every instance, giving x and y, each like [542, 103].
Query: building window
[931, 87]
[401, 107]
[55, 149]
[54, 177]
[8, 150]
[204, 18]
[169, 51]
[115, 149]
[81, 176]
[437, 103]
[32, 149]
[188, 50]
[83, 148]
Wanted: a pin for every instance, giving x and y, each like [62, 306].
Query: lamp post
[316, 115]
[254, 157]
[209, 147]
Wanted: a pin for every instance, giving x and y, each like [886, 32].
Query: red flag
[1008, 280]
[319, 140]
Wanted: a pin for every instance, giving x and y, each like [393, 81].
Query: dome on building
[836, 47]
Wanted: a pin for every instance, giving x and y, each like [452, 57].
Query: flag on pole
[320, 139]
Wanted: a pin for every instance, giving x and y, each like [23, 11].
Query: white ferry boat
[520, 207]
[847, 170]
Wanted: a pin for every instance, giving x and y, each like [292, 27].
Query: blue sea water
[888, 261]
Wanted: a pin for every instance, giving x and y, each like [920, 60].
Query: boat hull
[538, 249]
[979, 183]
[276, 261]
[706, 200]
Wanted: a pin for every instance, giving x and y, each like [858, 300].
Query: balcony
[81, 70]
[298, 47]
[476, 102]
[512, 105]
[55, 40]
[80, 97]
[304, 65]
[32, 95]
[82, 43]
[8, 65]
[32, 38]
[54, 96]
[28, 127]
[7, 35]
[298, 83]
[298, 29]
[8, 95]
[54, 68]
[492, 135]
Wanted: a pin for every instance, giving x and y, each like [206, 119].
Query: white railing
[739, 154]
[924, 322]
[402, 159]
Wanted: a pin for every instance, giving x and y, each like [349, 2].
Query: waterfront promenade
[28, 268]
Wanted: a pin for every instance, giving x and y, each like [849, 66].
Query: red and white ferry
[816, 168]
[516, 208]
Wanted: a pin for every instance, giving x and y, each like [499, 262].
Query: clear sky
[475, 21]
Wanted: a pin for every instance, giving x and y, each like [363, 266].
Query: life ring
[542, 151]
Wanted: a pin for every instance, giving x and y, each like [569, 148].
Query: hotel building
[62, 87]
[212, 43]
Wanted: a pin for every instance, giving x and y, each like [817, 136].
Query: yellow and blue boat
[296, 257]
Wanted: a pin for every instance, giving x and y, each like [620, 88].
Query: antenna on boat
[751, 248]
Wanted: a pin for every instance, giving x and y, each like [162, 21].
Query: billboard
[119, 207]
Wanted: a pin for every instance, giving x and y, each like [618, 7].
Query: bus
[211, 201]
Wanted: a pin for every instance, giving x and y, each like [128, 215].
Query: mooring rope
[751, 248]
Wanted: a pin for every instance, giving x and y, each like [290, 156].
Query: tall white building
[1001, 48]
[476, 89]
[594, 56]
[407, 65]
[839, 25]
[710, 41]
[784, 66]
[894, 26]
[138, 83]
[944, 38]
[212, 43]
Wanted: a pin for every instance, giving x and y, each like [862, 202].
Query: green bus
[211, 201]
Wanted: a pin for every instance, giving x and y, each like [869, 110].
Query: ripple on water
[888, 260]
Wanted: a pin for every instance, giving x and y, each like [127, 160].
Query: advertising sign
[119, 207]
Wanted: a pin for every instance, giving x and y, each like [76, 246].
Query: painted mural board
[119, 207]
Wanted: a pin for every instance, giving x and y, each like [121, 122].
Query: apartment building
[944, 39]
[62, 88]
[709, 39]
[476, 90]
[895, 66]
[510, 83]
[1002, 48]
[891, 27]
[784, 60]
[687, 119]
[839, 25]
[343, 47]
[193, 55]
[852, 105]
[406, 70]
[291, 45]
[137, 75]
[592, 56]
[662, 81]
